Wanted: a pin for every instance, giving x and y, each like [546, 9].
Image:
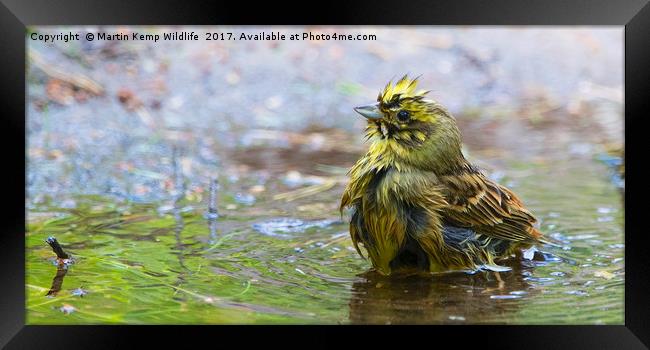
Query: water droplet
[519, 292]
[505, 296]
[283, 226]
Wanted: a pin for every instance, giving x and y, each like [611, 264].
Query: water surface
[266, 259]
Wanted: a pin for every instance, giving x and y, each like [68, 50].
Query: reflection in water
[178, 229]
[179, 194]
[57, 282]
[63, 259]
[212, 214]
[411, 298]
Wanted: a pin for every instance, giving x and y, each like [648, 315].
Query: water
[288, 262]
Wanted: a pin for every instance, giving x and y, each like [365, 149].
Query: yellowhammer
[416, 200]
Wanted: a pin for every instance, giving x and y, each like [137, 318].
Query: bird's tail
[541, 238]
[551, 241]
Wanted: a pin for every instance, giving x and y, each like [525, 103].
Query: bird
[417, 202]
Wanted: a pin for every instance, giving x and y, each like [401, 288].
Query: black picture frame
[633, 14]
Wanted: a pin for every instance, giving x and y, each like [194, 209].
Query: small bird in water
[417, 202]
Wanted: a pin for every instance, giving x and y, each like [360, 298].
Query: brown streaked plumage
[417, 201]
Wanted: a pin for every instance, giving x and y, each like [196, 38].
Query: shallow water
[291, 261]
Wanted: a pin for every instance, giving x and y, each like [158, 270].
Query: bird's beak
[369, 111]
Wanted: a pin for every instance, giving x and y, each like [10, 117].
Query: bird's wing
[487, 207]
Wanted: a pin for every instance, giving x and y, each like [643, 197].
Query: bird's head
[406, 126]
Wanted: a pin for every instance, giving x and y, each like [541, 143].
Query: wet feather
[416, 199]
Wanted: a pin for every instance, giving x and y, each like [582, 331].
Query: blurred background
[104, 115]
[199, 181]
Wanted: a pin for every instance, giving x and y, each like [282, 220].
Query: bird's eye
[403, 116]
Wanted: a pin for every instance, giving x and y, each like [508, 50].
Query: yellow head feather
[403, 88]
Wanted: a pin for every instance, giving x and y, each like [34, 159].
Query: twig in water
[56, 247]
[62, 267]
